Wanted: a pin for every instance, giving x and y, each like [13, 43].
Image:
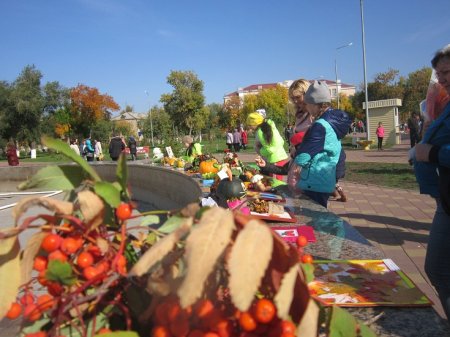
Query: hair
[190, 149]
[267, 131]
[441, 54]
[298, 85]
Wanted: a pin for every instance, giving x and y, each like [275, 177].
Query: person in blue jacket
[320, 155]
[431, 159]
[89, 150]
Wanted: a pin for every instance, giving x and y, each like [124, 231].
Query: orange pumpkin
[208, 167]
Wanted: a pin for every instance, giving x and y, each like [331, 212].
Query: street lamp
[361, 5]
[336, 71]
[151, 121]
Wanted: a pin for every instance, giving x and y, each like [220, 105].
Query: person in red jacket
[11, 154]
[244, 139]
[380, 135]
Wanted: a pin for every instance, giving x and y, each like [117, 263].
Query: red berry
[27, 299]
[264, 310]
[14, 311]
[307, 258]
[302, 241]
[32, 312]
[123, 212]
[40, 263]
[85, 259]
[69, 246]
[57, 255]
[51, 242]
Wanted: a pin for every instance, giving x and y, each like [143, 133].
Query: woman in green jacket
[192, 149]
[269, 143]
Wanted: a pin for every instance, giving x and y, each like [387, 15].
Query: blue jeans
[437, 260]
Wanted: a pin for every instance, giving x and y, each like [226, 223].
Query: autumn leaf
[160, 249]
[204, 245]
[91, 207]
[249, 259]
[9, 273]
[284, 296]
[54, 205]
[29, 253]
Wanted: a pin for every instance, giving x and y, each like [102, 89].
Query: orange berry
[173, 310]
[42, 279]
[264, 310]
[37, 334]
[45, 302]
[287, 334]
[84, 260]
[161, 331]
[123, 211]
[302, 241]
[179, 327]
[103, 331]
[307, 258]
[90, 272]
[57, 255]
[32, 312]
[40, 263]
[247, 322]
[211, 334]
[69, 246]
[26, 299]
[51, 242]
[203, 308]
[287, 326]
[14, 311]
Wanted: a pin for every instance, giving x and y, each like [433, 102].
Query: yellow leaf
[28, 255]
[284, 296]
[160, 249]
[249, 259]
[204, 245]
[9, 273]
[310, 320]
[91, 207]
[54, 205]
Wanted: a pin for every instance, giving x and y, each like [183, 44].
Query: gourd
[230, 189]
[208, 167]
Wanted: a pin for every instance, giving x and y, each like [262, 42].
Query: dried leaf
[91, 207]
[204, 245]
[284, 296]
[308, 326]
[102, 244]
[9, 273]
[28, 255]
[54, 205]
[249, 259]
[160, 249]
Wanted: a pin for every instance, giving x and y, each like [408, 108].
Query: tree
[198, 121]
[233, 113]
[416, 86]
[23, 119]
[55, 97]
[186, 100]
[162, 125]
[88, 107]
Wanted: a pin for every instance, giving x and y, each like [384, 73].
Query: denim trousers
[437, 260]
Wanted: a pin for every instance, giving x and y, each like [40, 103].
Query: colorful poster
[355, 283]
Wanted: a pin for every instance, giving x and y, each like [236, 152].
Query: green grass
[382, 174]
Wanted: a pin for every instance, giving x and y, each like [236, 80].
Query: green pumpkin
[230, 189]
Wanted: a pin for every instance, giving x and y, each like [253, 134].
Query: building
[134, 119]
[254, 89]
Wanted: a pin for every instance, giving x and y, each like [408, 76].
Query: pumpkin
[207, 166]
[230, 189]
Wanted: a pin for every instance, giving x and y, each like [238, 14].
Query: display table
[336, 239]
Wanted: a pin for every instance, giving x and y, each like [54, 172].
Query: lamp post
[151, 121]
[361, 5]
[336, 71]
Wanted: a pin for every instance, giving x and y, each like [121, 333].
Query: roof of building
[128, 116]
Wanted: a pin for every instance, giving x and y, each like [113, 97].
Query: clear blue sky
[124, 47]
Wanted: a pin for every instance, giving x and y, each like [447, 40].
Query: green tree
[199, 121]
[416, 86]
[55, 97]
[6, 107]
[23, 121]
[162, 125]
[275, 101]
[186, 99]
[233, 113]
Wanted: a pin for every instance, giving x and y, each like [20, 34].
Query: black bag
[444, 188]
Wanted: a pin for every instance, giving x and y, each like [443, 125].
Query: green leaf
[308, 269]
[171, 224]
[108, 192]
[55, 178]
[122, 173]
[60, 272]
[151, 238]
[344, 324]
[65, 149]
[150, 220]
[119, 334]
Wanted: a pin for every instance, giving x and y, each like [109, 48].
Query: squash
[230, 189]
[207, 166]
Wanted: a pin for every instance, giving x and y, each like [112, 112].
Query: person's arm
[312, 144]
[433, 153]
[274, 169]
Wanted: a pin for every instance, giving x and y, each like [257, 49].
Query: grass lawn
[382, 174]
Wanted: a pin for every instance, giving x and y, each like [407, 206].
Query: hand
[260, 162]
[423, 151]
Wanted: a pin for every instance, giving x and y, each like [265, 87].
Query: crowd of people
[236, 139]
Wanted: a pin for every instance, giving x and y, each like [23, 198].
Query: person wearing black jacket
[133, 147]
[116, 146]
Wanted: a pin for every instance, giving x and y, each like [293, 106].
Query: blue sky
[127, 47]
